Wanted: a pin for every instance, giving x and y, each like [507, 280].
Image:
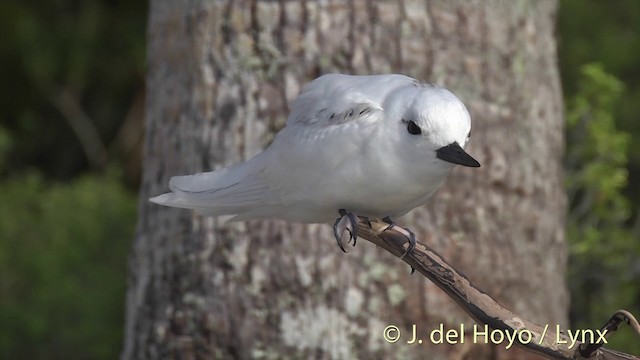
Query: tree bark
[221, 74]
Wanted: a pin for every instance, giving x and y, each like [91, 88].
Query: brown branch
[480, 306]
[81, 124]
[131, 131]
[587, 350]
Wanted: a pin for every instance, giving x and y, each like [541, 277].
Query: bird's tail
[229, 191]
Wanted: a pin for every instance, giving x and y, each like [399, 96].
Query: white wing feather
[229, 191]
[338, 94]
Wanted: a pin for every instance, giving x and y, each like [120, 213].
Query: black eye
[413, 128]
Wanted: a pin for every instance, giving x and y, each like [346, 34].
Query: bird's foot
[346, 222]
[411, 238]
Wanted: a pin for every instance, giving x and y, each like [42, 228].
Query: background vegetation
[70, 135]
[70, 131]
[599, 55]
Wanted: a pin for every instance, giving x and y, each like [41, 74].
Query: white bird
[372, 145]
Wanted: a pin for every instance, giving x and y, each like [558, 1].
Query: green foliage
[608, 33]
[596, 152]
[63, 251]
[93, 50]
[63, 247]
[5, 145]
[604, 192]
[603, 251]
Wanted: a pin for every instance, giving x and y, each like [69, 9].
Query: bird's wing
[337, 99]
[228, 191]
[293, 167]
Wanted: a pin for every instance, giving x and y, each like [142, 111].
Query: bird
[374, 146]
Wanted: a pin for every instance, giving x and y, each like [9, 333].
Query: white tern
[372, 145]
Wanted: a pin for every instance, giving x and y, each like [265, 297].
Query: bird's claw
[412, 243]
[411, 238]
[346, 222]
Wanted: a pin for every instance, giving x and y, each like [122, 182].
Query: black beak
[455, 154]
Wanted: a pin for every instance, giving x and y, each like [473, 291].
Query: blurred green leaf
[5, 146]
[63, 251]
[603, 252]
[607, 33]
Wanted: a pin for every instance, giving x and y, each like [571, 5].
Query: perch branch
[480, 306]
[587, 350]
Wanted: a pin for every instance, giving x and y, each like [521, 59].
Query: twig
[480, 306]
[82, 125]
[587, 350]
[131, 130]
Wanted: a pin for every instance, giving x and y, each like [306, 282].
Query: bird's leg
[411, 238]
[366, 219]
[346, 222]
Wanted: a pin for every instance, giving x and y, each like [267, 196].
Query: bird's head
[437, 120]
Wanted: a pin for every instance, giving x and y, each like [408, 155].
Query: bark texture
[221, 74]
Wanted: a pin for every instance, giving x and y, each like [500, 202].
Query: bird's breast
[360, 169]
[377, 185]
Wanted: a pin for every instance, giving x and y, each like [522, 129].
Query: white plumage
[376, 145]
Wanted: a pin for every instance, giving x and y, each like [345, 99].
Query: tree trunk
[221, 74]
